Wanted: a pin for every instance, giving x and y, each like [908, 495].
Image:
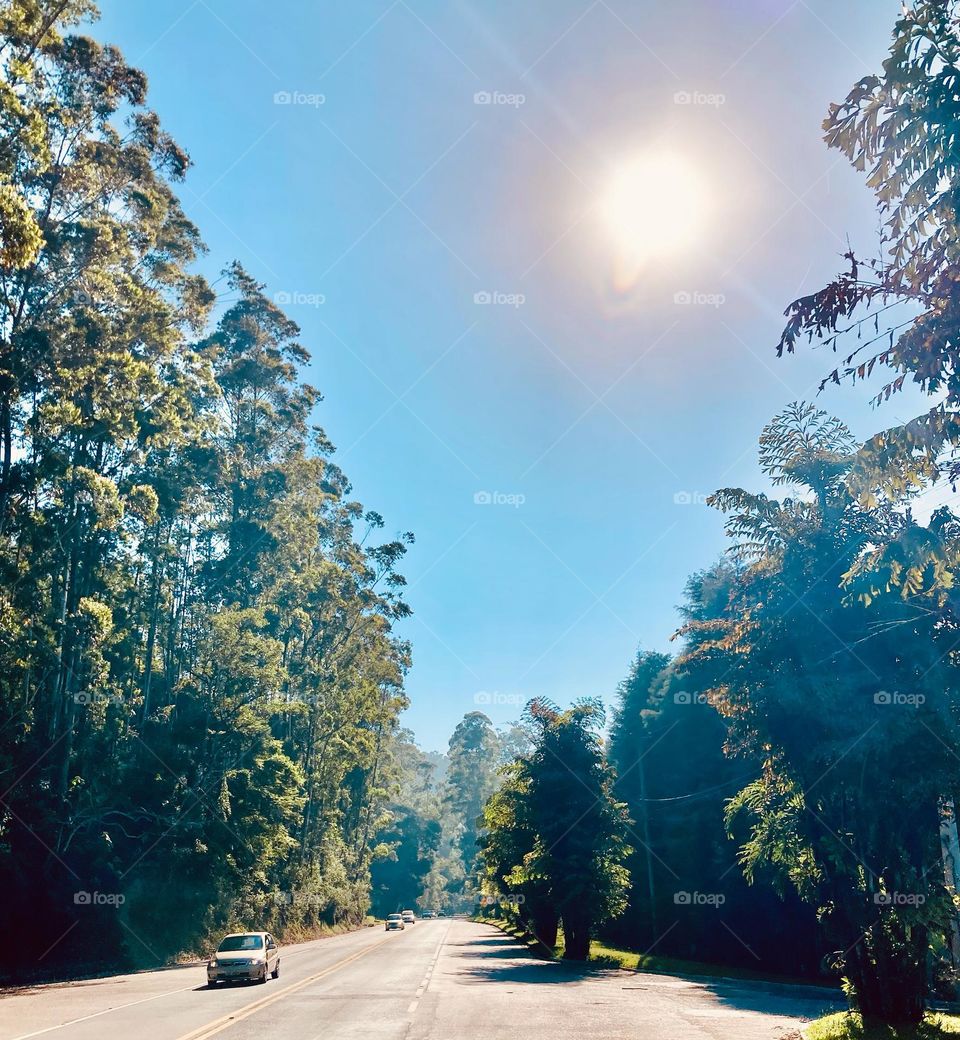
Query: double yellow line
[218, 1026]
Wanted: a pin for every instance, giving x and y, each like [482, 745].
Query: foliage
[903, 305]
[199, 680]
[473, 753]
[556, 819]
[687, 899]
[847, 1026]
[849, 702]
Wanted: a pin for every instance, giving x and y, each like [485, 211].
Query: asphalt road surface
[439, 980]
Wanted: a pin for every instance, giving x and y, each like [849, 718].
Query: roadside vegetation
[199, 676]
[847, 1026]
[788, 778]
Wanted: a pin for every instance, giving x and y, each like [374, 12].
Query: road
[439, 980]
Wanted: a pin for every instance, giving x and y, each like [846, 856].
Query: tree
[200, 680]
[471, 779]
[581, 831]
[849, 700]
[902, 304]
[508, 844]
[628, 747]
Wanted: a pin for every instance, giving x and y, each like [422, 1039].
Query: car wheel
[276, 970]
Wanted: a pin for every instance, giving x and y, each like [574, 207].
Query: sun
[654, 209]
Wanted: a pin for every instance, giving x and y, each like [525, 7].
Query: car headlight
[257, 960]
[211, 964]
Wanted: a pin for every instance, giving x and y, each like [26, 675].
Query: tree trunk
[889, 976]
[576, 936]
[544, 923]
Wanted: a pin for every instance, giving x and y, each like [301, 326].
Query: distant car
[428, 915]
[408, 917]
[244, 956]
[440, 913]
[393, 923]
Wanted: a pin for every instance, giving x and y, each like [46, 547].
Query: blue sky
[423, 181]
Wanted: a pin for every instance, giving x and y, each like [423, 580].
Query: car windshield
[241, 942]
[394, 917]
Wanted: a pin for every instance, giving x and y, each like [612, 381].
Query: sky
[539, 253]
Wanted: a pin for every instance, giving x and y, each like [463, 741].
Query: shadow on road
[771, 998]
[498, 958]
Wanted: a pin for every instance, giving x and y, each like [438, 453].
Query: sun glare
[654, 208]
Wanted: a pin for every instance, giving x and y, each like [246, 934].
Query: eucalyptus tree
[199, 674]
[471, 778]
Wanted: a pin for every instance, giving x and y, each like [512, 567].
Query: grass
[848, 1026]
[600, 953]
[520, 934]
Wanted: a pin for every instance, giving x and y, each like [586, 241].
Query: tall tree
[471, 778]
[849, 700]
[576, 862]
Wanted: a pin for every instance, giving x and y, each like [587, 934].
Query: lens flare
[654, 209]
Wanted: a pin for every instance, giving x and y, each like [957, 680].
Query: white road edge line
[144, 1000]
[105, 1011]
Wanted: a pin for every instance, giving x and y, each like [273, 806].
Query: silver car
[393, 923]
[246, 956]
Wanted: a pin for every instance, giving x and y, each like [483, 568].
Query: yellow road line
[218, 1025]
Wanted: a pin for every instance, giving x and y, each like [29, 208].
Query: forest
[202, 660]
